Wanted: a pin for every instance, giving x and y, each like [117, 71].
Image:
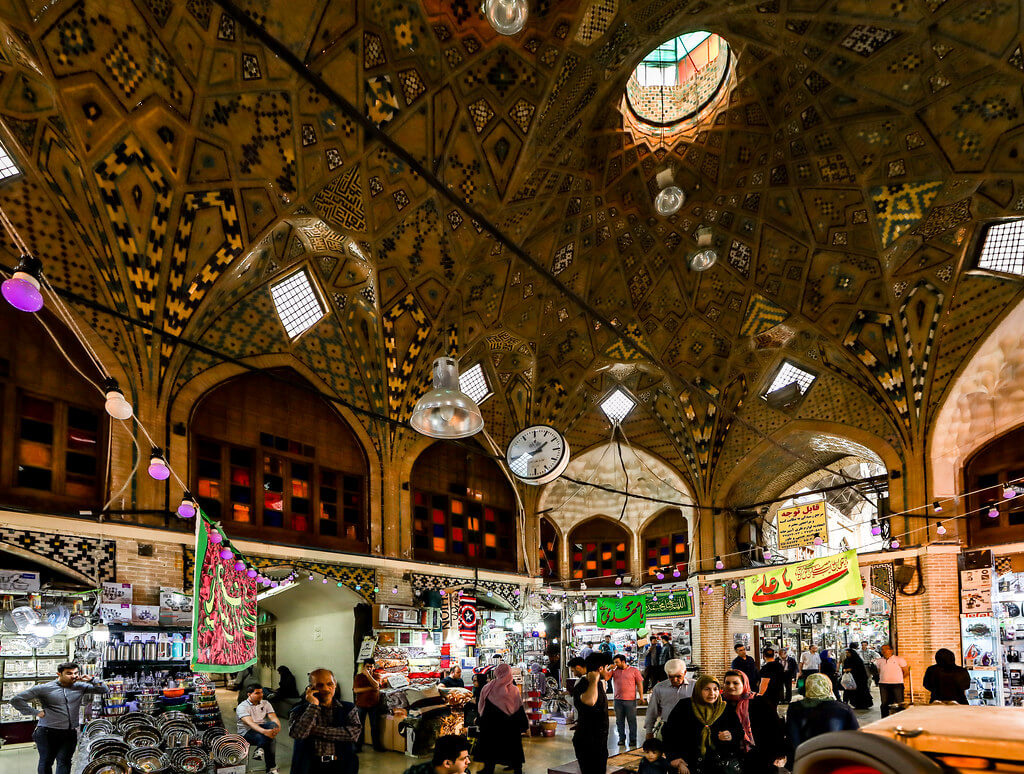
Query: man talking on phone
[324, 728]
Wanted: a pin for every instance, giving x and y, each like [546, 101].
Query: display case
[1010, 609]
[979, 637]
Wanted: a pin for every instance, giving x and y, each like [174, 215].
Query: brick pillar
[712, 631]
[930, 621]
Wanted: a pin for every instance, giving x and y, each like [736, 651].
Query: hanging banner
[467, 619]
[828, 580]
[798, 525]
[679, 606]
[224, 610]
[625, 613]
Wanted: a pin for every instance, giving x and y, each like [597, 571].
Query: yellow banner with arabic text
[827, 580]
[800, 524]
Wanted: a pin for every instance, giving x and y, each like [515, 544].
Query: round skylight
[679, 80]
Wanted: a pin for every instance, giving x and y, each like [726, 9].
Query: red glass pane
[273, 501]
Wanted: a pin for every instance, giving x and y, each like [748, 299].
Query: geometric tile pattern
[762, 314]
[509, 592]
[898, 207]
[95, 558]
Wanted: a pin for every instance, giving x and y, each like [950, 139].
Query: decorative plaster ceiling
[175, 167]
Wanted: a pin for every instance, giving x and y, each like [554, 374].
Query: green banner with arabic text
[622, 613]
[827, 580]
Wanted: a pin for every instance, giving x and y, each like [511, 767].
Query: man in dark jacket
[324, 729]
[747, 665]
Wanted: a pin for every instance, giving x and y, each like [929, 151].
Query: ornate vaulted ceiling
[175, 166]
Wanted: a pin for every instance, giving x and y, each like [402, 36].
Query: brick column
[930, 621]
[712, 631]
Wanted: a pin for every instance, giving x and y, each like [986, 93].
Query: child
[654, 761]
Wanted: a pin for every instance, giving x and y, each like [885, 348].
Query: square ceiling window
[474, 383]
[788, 374]
[1002, 247]
[617, 406]
[8, 168]
[298, 303]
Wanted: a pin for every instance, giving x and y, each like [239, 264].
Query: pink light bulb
[618, 581]
[894, 543]
[993, 513]
[226, 553]
[216, 537]
[876, 530]
[239, 565]
[676, 573]
[941, 529]
[252, 573]
[22, 290]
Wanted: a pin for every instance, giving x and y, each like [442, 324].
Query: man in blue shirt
[56, 734]
[607, 646]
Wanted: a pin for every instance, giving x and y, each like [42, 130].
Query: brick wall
[713, 632]
[930, 621]
[149, 573]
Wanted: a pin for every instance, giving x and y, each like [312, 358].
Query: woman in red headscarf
[764, 745]
[502, 723]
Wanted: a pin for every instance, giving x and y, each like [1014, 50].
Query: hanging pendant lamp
[508, 17]
[446, 411]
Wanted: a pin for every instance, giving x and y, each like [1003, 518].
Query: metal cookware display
[230, 750]
[148, 760]
[142, 736]
[211, 735]
[108, 746]
[97, 727]
[189, 759]
[107, 766]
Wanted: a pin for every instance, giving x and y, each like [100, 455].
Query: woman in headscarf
[502, 723]
[830, 669]
[860, 696]
[764, 745]
[946, 681]
[818, 712]
[287, 688]
[701, 734]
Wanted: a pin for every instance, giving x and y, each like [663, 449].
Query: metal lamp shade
[446, 411]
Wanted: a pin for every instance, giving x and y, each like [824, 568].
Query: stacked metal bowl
[178, 733]
[142, 736]
[107, 766]
[148, 760]
[230, 750]
[211, 735]
[107, 746]
[189, 760]
[97, 727]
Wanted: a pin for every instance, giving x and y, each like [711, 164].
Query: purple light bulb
[22, 290]
[225, 553]
[252, 573]
[239, 565]
[216, 537]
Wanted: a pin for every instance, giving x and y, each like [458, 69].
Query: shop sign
[976, 591]
[798, 525]
[625, 613]
[802, 586]
[366, 648]
[16, 580]
[680, 605]
[224, 610]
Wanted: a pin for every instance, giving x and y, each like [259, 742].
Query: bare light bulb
[1009, 493]
[22, 290]
[239, 565]
[115, 404]
[719, 564]
[676, 573]
[215, 537]
[225, 553]
[941, 529]
[894, 543]
[507, 17]
[993, 512]
[818, 540]
[252, 573]
[702, 260]
[669, 200]
[937, 506]
[187, 509]
[618, 581]
[876, 529]
[158, 465]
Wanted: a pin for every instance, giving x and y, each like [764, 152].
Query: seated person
[451, 756]
[258, 723]
[454, 678]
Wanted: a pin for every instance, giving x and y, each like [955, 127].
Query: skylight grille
[7, 166]
[298, 304]
[617, 406]
[1003, 247]
[474, 383]
[789, 373]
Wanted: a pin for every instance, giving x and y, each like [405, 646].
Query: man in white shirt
[666, 694]
[810, 661]
[892, 671]
[258, 723]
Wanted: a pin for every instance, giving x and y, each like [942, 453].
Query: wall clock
[537, 454]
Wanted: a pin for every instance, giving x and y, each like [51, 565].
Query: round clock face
[538, 454]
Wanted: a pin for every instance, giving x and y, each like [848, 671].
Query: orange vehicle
[924, 739]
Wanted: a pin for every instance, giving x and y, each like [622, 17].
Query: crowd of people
[711, 726]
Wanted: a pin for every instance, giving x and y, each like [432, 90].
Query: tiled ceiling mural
[175, 168]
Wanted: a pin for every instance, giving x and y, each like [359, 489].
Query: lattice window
[457, 528]
[617, 406]
[1002, 248]
[474, 383]
[599, 559]
[298, 303]
[787, 374]
[666, 552]
[8, 167]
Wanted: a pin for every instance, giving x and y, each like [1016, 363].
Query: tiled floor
[541, 753]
